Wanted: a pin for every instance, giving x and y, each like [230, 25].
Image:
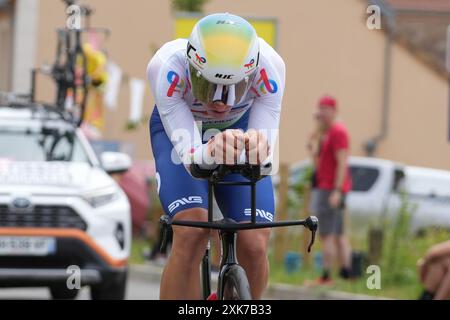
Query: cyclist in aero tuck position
[218, 101]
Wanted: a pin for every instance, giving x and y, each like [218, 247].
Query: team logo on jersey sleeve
[177, 84]
[264, 85]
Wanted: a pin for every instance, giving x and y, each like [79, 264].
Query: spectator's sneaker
[346, 274]
[426, 295]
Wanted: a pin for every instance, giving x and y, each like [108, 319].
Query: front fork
[206, 272]
[229, 257]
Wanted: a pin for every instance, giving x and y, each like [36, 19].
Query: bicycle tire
[235, 284]
[76, 59]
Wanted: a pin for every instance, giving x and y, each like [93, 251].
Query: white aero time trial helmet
[223, 55]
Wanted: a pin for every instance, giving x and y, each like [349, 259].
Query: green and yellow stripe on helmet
[226, 42]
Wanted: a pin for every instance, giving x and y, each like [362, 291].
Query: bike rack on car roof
[69, 53]
[40, 111]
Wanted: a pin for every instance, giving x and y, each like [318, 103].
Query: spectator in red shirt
[332, 183]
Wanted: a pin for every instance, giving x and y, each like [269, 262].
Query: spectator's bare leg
[443, 291]
[329, 251]
[344, 251]
[433, 277]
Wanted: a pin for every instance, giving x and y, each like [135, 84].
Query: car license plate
[27, 246]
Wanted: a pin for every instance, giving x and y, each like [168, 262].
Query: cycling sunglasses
[208, 92]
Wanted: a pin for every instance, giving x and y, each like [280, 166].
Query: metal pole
[33, 85]
[371, 144]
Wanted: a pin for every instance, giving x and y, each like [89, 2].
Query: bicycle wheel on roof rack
[61, 70]
[80, 85]
[235, 284]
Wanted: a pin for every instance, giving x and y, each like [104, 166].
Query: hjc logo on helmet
[224, 76]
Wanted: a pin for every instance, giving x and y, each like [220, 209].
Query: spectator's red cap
[327, 101]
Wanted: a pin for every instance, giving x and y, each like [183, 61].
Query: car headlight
[101, 197]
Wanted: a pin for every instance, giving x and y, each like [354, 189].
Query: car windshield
[41, 146]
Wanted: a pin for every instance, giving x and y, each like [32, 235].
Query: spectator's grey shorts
[331, 221]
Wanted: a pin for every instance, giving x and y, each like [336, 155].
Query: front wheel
[235, 284]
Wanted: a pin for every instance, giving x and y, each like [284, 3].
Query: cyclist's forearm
[184, 136]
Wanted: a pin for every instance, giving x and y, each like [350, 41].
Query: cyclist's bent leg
[182, 197]
[252, 244]
[181, 278]
[252, 254]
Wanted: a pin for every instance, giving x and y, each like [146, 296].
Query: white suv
[378, 186]
[64, 221]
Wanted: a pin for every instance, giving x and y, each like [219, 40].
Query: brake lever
[164, 222]
[312, 223]
[313, 237]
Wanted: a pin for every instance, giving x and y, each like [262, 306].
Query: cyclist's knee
[252, 244]
[190, 243]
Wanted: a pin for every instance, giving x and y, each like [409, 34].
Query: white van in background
[378, 186]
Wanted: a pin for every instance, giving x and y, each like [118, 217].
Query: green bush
[397, 263]
[189, 5]
[401, 250]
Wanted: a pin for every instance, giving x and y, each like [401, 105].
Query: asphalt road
[139, 288]
[143, 284]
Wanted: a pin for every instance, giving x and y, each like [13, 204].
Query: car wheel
[61, 292]
[112, 289]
